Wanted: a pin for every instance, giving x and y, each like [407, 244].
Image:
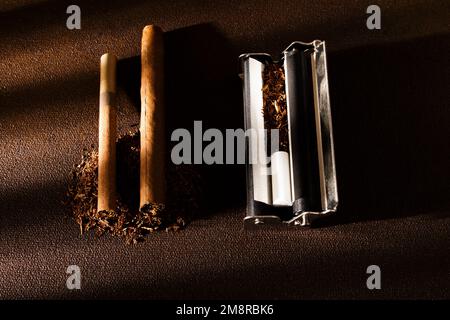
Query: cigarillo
[152, 131]
[107, 134]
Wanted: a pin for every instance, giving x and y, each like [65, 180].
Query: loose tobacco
[127, 221]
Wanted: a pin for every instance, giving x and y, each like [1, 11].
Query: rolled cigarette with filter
[107, 134]
[152, 129]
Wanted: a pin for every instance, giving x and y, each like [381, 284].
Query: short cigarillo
[107, 134]
[152, 131]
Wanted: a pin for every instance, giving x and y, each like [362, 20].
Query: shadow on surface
[390, 119]
[201, 83]
[52, 12]
[289, 276]
[32, 206]
[391, 124]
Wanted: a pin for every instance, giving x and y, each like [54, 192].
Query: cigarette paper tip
[152, 27]
[108, 63]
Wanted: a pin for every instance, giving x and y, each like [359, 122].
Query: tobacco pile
[275, 106]
[127, 221]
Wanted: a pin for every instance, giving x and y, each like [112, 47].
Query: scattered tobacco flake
[274, 106]
[127, 221]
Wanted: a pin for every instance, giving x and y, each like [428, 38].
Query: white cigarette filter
[281, 183]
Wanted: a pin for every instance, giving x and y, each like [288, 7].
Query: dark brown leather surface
[389, 94]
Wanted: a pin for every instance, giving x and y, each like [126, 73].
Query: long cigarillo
[107, 134]
[152, 155]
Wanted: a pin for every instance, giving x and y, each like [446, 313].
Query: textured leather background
[390, 99]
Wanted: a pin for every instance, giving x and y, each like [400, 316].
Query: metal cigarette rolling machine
[291, 175]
